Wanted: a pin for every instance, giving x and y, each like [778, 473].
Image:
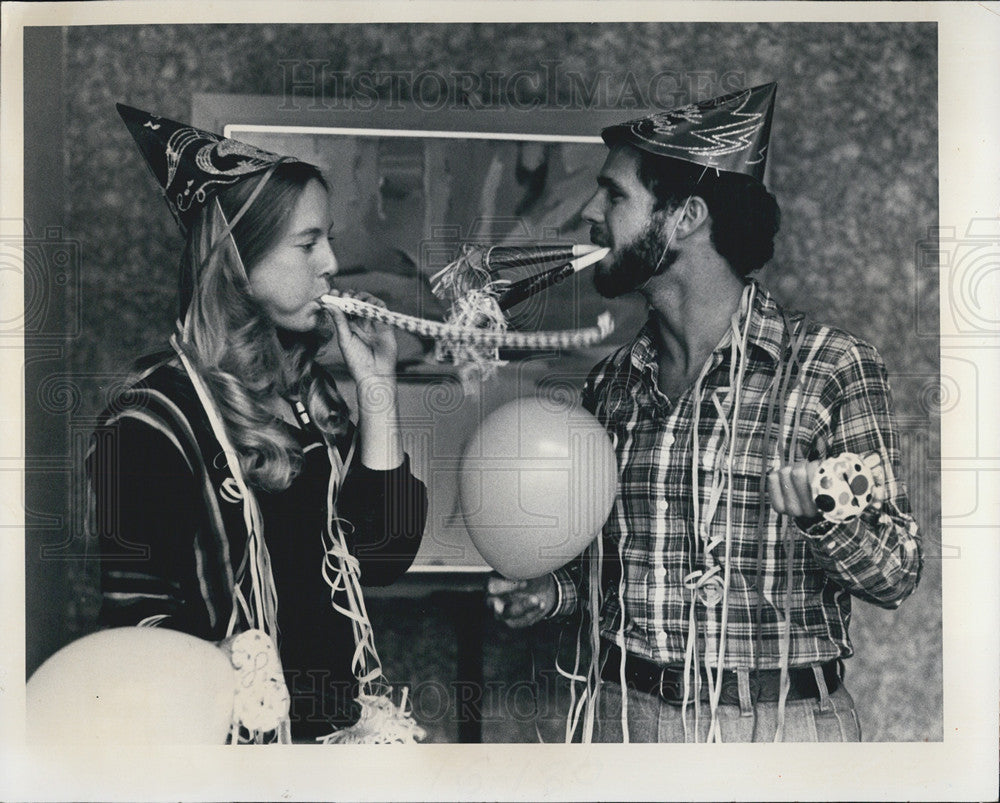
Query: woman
[232, 489]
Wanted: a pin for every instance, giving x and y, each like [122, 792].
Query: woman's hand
[369, 347]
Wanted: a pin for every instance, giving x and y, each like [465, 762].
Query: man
[721, 411]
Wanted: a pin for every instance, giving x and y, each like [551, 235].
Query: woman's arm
[387, 511]
[378, 422]
[384, 503]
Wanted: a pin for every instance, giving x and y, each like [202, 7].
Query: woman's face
[289, 279]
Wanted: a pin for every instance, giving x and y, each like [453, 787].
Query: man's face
[622, 217]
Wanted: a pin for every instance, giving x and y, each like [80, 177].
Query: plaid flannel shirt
[650, 541]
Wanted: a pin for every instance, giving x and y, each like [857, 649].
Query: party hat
[729, 133]
[189, 164]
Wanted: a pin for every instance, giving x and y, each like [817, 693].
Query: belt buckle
[674, 698]
[729, 694]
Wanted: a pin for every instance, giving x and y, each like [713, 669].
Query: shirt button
[668, 439]
[711, 593]
[663, 506]
[661, 572]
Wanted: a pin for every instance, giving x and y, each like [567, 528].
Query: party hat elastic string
[673, 233]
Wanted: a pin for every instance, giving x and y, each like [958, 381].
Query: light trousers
[650, 719]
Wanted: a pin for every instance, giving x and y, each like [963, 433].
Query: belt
[667, 682]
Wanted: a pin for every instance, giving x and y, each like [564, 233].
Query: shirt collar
[766, 333]
[767, 324]
[642, 353]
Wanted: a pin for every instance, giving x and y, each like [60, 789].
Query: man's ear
[692, 215]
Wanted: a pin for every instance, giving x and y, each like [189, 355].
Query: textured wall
[853, 163]
[853, 155]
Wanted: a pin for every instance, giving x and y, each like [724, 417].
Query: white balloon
[133, 685]
[537, 483]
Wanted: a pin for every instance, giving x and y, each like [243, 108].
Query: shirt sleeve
[144, 522]
[387, 511]
[876, 556]
[567, 593]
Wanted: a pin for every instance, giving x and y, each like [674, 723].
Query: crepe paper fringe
[470, 272]
[476, 327]
[478, 310]
[381, 722]
[261, 701]
[469, 289]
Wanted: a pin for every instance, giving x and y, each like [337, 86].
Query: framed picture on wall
[409, 188]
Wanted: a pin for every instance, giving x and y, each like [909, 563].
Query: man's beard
[646, 256]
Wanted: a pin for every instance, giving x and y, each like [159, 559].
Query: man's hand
[521, 603]
[790, 490]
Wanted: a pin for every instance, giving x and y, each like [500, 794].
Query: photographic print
[471, 384]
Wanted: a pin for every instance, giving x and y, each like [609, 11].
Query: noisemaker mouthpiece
[497, 257]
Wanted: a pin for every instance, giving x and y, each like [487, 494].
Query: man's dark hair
[745, 216]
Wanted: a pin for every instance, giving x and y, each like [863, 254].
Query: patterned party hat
[729, 133]
[190, 164]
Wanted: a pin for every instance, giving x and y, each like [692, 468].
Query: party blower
[526, 288]
[476, 327]
[477, 265]
[496, 257]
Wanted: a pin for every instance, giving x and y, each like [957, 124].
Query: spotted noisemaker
[843, 487]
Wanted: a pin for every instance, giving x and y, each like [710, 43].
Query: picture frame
[409, 187]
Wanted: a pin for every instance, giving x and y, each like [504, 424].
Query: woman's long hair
[233, 343]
